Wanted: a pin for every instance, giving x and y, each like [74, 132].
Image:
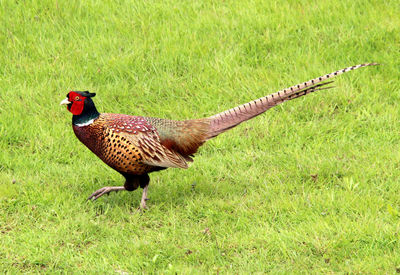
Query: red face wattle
[77, 103]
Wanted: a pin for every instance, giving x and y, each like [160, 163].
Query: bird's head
[76, 101]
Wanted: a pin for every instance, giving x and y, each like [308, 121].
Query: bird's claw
[143, 204]
[102, 191]
[98, 193]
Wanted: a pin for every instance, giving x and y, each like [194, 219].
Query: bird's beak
[65, 102]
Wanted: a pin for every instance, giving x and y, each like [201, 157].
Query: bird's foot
[105, 190]
[143, 204]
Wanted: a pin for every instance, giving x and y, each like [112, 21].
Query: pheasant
[136, 146]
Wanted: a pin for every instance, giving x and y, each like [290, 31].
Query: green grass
[310, 187]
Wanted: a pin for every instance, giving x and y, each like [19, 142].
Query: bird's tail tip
[373, 64]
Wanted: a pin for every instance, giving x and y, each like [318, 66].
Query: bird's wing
[142, 136]
[154, 153]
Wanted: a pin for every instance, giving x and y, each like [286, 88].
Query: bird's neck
[88, 115]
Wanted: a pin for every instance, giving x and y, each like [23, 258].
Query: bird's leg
[144, 198]
[132, 183]
[105, 190]
[144, 183]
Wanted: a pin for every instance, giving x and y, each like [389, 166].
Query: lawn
[312, 186]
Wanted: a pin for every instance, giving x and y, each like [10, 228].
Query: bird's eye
[76, 98]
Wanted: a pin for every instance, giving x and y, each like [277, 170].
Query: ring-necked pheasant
[136, 146]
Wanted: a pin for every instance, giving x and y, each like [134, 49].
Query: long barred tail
[226, 120]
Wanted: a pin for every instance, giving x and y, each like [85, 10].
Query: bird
[135, 146]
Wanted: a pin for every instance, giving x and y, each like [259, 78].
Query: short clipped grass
[310, 187]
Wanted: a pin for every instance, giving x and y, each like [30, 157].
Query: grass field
[312, 186]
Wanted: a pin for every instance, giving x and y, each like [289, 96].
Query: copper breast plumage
[112, 138]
